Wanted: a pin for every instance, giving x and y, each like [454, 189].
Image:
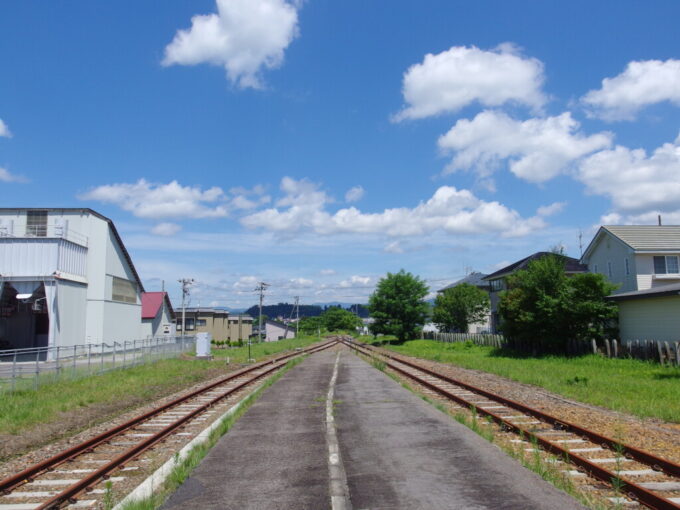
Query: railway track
[640, 476]
[74, 477]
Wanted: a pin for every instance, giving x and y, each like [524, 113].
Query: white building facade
[65, 279]
[635, 257]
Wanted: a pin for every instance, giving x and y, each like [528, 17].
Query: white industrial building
[65, 279]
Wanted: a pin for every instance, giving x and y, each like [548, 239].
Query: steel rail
[634, 490]
[72, 492]
[28, 474]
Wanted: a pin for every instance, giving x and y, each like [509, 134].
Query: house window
[627, 266]
[36, 223]
[609, 269]
[595, 268]
[124, 291]
[666, 264]
[496, 285]
[201, 322]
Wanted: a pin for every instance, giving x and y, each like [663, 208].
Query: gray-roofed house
[636, 257]
[644, 261]
[477, 279]
[497, 280]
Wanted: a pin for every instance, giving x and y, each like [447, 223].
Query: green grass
[23, 409]
[641, 388]
[260, 350]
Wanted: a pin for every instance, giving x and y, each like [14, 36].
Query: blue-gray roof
[474, 278]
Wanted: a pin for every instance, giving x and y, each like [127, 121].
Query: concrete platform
[274, 457]
[398, 452]
[402, 453]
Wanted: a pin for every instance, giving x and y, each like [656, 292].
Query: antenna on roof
[580, 241]
[659, 220]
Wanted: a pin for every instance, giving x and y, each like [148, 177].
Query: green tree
[458, 307]
[310, 325]
[398, 305]
[544, 307]
[337, 319]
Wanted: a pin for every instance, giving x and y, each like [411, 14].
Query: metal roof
[475, 278]
[648, 237]
[152, 303]
[672, 289]
[571, 265]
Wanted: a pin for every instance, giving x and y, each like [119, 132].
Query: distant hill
[287, 309]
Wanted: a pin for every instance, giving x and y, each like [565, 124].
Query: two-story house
[498, 280]
[635, 257]
[65, 279]
[644, 261]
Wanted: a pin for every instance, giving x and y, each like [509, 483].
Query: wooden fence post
[607, 348]
[594, 344]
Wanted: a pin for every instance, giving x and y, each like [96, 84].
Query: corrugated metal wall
[41, 257]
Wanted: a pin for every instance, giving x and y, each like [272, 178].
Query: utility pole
[261, 288]
[186, 283]
[297, 315]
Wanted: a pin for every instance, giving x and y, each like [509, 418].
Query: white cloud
[303, 209]
[355, 281]
[539, 148]
[642, 83]
[4, 130]
[393, 247]
[156, 201]
[327, 272]
[7, 176]
[246, 283]
[636, 183]
[244, 37]
[300, 283]
[549, 210]
[354, 194]
[455, 78]
[166, 229]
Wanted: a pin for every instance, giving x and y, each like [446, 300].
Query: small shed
[650, 314]
[157, 315]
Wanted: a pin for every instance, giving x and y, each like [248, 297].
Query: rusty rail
[28, 474]
[643, 495]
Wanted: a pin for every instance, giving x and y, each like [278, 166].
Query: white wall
[613, 250]
[273, 332]
[650, 319]
[69, 326]
[154, 327]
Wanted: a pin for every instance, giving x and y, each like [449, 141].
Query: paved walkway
[398, 452]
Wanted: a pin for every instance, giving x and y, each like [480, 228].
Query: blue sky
[316, 145]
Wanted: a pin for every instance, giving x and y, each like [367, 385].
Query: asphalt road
[398, 452]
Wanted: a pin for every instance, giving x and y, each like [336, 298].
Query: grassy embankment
[637, 387]
[111, 391]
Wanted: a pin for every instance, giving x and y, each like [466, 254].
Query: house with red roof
[157, 315]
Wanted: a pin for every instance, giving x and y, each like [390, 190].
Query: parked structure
[477, 279]
[275, 330]
[240, 327]
[649, 314]
[65, 279]
[635, 257]
[157, 315]
[498, 280]
[219, 323]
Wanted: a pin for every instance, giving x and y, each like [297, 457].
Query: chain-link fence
[22, 369]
